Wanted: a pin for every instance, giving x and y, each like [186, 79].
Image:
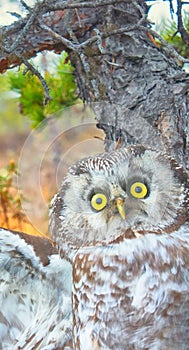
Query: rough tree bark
[138, 89]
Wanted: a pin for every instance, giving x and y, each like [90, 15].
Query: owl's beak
[121, 207]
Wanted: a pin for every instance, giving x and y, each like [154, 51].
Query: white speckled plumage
[130, 276]
[133, 294]
[121, 278]
[35, 303]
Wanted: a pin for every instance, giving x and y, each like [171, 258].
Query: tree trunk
[141, 95]
[137, 90]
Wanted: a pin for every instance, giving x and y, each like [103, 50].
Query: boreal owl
[122, 219]
[120, 279]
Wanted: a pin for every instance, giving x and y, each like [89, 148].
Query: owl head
[104, 196]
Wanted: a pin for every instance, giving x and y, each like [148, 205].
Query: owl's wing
[133, 295]
[35, 294]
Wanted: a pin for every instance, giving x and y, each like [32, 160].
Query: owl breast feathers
[122, 218]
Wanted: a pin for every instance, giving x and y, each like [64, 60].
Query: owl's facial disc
[105, 195]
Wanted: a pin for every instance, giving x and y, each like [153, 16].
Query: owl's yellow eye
[98, 201]
[138, 190]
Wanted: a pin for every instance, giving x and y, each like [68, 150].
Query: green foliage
[168, 31]
[10, 118]
[62, 90]
[4, 83]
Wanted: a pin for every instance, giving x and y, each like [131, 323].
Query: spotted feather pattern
[106, 281]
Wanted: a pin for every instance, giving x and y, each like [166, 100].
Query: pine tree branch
[33, 70]
[170, 51]
[26, 37]
[23, 3]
